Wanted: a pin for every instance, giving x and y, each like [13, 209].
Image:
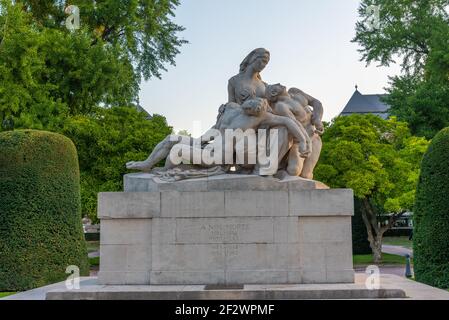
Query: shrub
[431, 216]
[40, 218]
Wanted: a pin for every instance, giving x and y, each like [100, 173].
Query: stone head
[273, 91]
[255, 107]
[258, 59]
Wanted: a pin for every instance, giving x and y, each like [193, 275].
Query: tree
[184, 133]
[48, 72]
[414, 34]
[431, 220]
[85, 83]
[106, 140]
[379, 160]
[141, 28]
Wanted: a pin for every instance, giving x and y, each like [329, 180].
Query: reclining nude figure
[252, 114]
[294, 104]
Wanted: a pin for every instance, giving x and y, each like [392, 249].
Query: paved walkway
[93, 254]
[398, 250]
[396, 270]
[413, 290]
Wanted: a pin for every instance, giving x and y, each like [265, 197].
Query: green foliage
[388, 259]
[5, 294]
[106, 140]
[184, 133]
[424, 104]
[94, 261]
[48, 72]
[40, 221]
[360, 243]
[407, 29]
[56, 80]
[141, 28]
[431, 217]
[418, 33]
[377, 158]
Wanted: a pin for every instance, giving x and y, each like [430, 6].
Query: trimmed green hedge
[360, 243]
[431, 216]
[40, 220]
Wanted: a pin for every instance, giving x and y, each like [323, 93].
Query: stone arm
[282, 109]
[317, 114]
[272, 120]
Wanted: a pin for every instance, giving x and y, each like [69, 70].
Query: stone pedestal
[225, 230]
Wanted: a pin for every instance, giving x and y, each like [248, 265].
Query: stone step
[249, 292]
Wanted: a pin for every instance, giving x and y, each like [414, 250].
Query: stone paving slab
[414, 290]
[392, 287]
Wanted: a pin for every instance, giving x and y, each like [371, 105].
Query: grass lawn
[5, 294]
[366, 259]
[398, 241]
[94, 262]
[93, 246]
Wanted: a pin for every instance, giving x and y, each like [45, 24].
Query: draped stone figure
[252, 105]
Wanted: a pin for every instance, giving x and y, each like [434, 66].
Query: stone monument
[237, 205]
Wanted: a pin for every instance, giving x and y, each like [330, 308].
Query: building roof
[141, 109]
[366, 103]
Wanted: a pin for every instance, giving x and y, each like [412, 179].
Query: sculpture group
[236, 221]
[253, 105]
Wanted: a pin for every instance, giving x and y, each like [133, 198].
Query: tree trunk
[375, 242]
[377, 250]
[374, 231]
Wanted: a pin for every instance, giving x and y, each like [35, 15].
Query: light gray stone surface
[198, 293]
[192, 204]
[125, 204]
[321, 202]
[147, 182]
[252, 105]
[390, 285]
[284, 232]
[256, 203]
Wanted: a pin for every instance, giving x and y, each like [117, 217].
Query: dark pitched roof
[365, 103]
[141, 109]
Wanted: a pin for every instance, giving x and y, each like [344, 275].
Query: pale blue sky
[310, 49]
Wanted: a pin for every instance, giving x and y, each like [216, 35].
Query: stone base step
[249, 292]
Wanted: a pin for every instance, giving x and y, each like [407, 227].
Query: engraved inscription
[232, 250]
[224, 232]
[219, 230]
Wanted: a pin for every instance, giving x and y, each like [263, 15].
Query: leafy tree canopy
[84, 83]
[106, 140]
[414, 33]
[143, 29]
[48, 72]
[379, 159]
